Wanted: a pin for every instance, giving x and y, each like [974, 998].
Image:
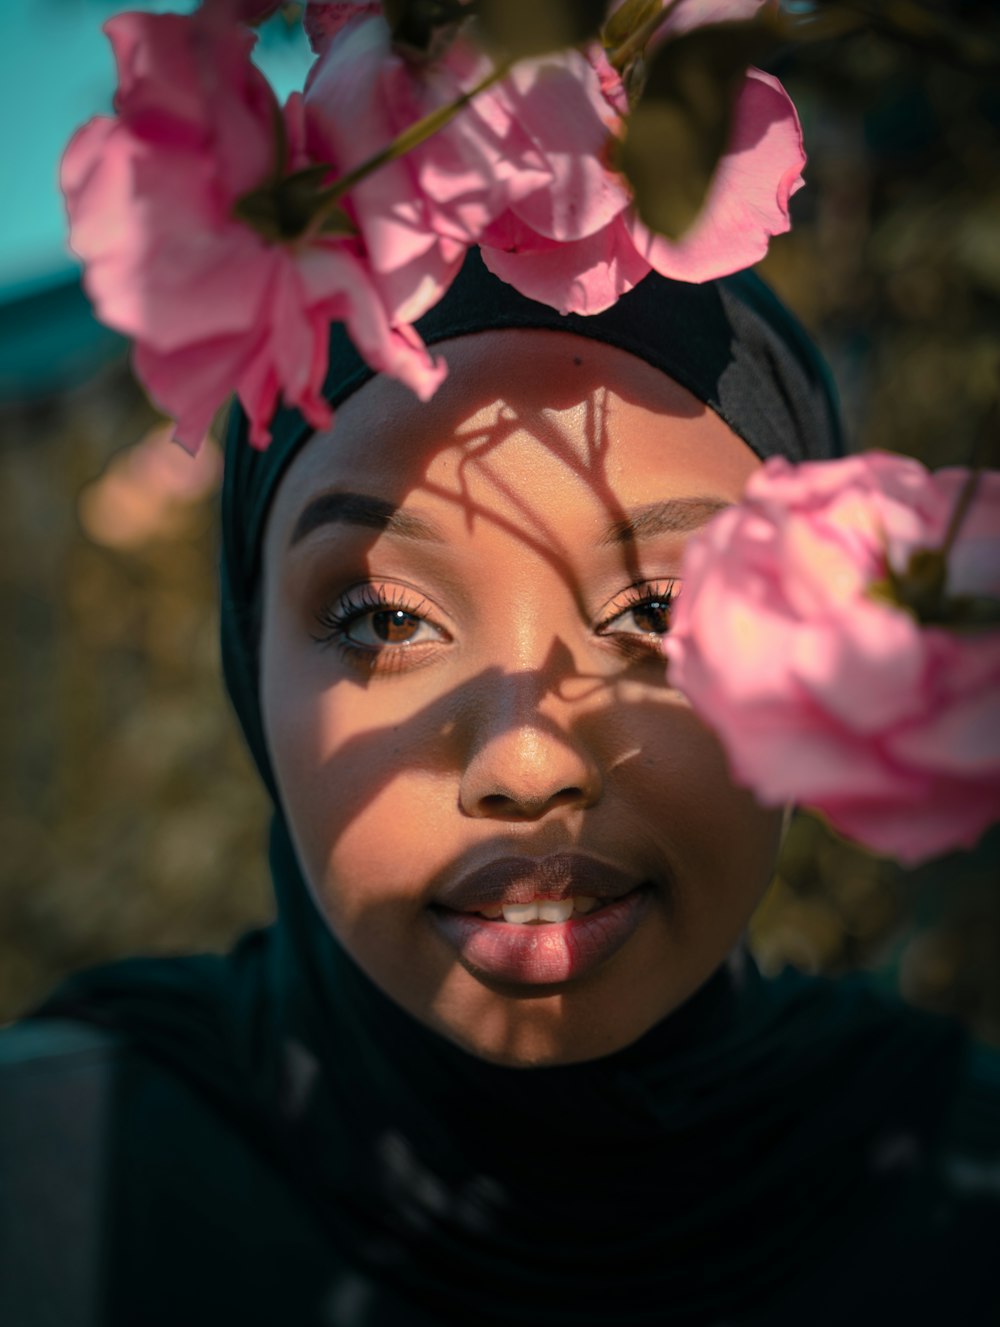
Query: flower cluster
[838, 629]
[792, 640]
[223, 232]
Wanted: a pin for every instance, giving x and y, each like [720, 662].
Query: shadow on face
[467, 708]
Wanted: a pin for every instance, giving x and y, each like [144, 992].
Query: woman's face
[507, 816]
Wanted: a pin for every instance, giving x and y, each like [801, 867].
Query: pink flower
[825, 694]
[244, 11]
[352, 96]
[530, 146]
[746, 205]
[212, 305]
[323, 19]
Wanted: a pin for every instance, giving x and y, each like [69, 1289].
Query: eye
[388, 626]
[643, 610]
[374, 623]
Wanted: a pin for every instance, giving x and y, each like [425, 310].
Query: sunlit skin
[432, 705]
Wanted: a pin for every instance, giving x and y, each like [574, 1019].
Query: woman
[502, 1058]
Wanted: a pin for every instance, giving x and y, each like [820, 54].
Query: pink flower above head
[526, 151]
[243, 11]
[211, 304]
[558, 107]
[747, 204]
[359, 98]
[822, 692]
[323, 19]
[748, 201]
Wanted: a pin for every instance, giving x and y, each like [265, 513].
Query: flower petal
[822, 695]
[748, 199]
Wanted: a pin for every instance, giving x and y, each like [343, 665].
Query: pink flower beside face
[211, 305]
[820, 692]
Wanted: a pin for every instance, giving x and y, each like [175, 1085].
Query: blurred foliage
[131, 819]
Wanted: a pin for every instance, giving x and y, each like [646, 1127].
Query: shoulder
[55, 1077]
[122, 1180]
[56, 1083]
[72, 1091]
[38, 1047]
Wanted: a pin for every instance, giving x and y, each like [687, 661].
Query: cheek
[721, 842]
[348, 767]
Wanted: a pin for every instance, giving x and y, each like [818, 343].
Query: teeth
[555, 910]
[520, 912]
[543, 910]
[493, 911]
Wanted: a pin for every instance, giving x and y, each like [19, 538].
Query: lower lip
[543, 954]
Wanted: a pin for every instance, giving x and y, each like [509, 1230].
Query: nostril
[495, 802]
[527, 771]
[565, 796]
[527, 808]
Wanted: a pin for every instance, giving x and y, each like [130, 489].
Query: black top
[776, 1154]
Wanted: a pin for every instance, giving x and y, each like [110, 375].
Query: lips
[539, 952]
[524, 879]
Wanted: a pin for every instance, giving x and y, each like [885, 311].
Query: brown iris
[394, 626]
[653, 616]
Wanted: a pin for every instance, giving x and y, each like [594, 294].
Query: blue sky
[56, 71]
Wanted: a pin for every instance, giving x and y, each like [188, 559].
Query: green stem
[968, 492]
[410, 138]
[635, 44]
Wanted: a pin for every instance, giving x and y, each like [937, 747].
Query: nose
[526, 754]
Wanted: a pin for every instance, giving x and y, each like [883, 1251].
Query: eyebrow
[672, 516]
[362, 509]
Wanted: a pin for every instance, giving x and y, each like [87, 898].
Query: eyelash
[644, 592]
[337, 619]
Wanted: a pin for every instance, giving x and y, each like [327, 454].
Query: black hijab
[676, 1180]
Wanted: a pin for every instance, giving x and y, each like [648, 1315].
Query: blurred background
[130, 819]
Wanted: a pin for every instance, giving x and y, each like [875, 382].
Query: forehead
[527, 421]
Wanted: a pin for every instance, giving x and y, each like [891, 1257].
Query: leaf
[921, 590]
[337, 222]
[522, 28]
[970, 612]
[259, 211]
[680, 127]
[284, 211]
[627, 19]
[922, 585]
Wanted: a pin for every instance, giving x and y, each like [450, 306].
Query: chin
[542, 1032]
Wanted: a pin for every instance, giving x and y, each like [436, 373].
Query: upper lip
[521, 879]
